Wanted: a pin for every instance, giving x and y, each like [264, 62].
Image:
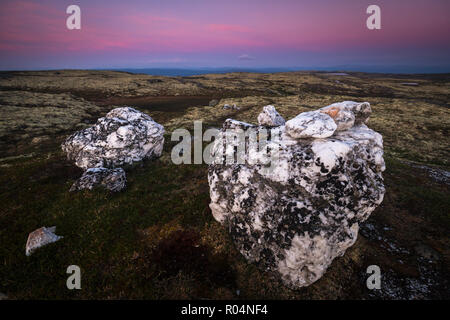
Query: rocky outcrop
[111, 179]
[124, 136]
[40, 237]
[294, 214]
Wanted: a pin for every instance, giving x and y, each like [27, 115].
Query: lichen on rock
[294, 219]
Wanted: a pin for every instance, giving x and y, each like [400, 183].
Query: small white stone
[40, 237]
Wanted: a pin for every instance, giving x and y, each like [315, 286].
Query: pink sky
[194, 33]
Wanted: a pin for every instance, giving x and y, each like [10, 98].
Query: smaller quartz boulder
[213, 103]
[111, 179]
[39, 238]
[312, 124]
[270, 117]
[348, 113]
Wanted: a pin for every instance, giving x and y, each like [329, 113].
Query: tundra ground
[158, 239]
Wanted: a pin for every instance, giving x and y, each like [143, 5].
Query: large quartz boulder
[301, 207]
[123, 136]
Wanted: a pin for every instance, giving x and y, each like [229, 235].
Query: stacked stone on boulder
[293, 216]
[123, 137]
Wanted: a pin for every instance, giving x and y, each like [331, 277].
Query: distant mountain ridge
[371, 69]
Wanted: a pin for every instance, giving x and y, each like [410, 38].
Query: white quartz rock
[270, 117]
[40, 237]
[123, 136]
[311, 124]
[111, 179]
[348, 113]
[296, 218]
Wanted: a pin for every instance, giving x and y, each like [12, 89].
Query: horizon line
[229, 69]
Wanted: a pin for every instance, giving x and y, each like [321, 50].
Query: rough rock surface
[40, 237]
[295, 219]
[111, 179]
[123, 136]
[270, 117]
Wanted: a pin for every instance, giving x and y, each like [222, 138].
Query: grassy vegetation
[418, 194]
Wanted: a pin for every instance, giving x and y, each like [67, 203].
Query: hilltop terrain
[158, 239]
